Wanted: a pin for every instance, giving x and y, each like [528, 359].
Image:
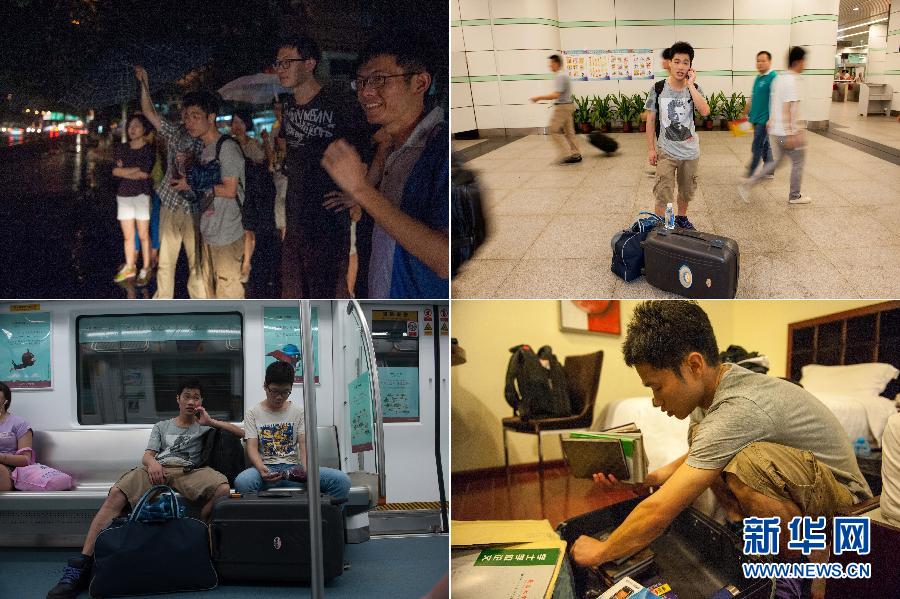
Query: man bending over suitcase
[172, 452]
[276, 444]
[765, 446]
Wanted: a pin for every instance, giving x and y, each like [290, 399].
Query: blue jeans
[333, 482]
[761, 148]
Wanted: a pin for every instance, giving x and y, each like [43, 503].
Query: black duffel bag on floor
[468, 223]
[153, 551]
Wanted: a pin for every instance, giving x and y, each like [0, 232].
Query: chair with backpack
[538, 405]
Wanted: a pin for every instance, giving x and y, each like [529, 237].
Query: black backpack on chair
[534, 390]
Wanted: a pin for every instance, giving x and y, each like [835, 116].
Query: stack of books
[628, 566]
[618, 451]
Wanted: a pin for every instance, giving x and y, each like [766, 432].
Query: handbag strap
[30, 451]
[163, 490]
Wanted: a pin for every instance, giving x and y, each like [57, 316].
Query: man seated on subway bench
[765, 446]
[174, 449]
[276, 444]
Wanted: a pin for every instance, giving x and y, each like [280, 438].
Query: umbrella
[260, 88]
[111, 80]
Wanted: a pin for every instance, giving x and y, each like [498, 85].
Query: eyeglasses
[277, 393]
[280, 65]
[376, 81]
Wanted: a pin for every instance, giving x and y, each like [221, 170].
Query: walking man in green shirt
[759, 111]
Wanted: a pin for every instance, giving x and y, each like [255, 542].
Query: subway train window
[395, 335]
[129, 366]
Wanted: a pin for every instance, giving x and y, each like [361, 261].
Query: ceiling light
[856, 8]
[863, 24]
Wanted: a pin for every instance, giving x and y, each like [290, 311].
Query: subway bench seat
[96, 458]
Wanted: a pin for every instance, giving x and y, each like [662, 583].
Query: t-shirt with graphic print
[278, 432]
[675, 111]
[308, 130]
[177, 445]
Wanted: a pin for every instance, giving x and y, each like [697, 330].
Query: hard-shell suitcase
[602, 142]
[696, 556]
[265, 537]
[468, 223]
[692, 263]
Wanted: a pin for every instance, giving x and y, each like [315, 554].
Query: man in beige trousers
[563, 110]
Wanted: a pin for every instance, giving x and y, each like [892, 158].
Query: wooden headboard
[867, 334]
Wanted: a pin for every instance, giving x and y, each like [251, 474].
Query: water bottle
[861, 448]
[670, 216]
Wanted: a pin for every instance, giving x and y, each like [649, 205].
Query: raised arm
[146, 103]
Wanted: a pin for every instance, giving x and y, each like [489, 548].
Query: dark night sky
[45, 45]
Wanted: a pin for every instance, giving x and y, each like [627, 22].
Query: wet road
[58, 229]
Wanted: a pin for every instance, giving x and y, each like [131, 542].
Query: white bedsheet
[860, 415]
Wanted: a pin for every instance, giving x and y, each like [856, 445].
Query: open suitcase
[265, 537]
[696, 556]
[691, 263]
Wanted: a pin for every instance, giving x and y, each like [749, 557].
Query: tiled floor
[551, 224]
[878, 128]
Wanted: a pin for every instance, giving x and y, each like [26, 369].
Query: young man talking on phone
[675, 152]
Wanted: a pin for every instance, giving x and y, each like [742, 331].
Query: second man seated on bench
[276, 443]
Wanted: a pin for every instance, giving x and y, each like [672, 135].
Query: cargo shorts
[667, 170]
[787, 473]
[196, 484]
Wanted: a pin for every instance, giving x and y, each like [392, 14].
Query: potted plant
[733, 108]
[715, 105]
[582, 114]
[600, 113]
[625, 110]
[640, 100]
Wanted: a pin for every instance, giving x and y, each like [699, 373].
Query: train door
[411, 343]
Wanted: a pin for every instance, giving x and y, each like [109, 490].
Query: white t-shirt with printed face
[785, 88]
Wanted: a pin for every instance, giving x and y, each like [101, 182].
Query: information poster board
[399, 393]
[361, 434]
[606, 65]
[25, 348]
[281, 332]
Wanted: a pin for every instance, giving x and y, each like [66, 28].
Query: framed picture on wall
[590, 316]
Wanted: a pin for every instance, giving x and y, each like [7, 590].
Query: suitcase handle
[716, 243]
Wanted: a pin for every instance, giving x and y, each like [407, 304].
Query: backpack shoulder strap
[658, 86]
[225, 137]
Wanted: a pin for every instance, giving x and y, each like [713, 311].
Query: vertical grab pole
[369, 352]
[317, 562]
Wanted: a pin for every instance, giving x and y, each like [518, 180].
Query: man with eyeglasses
[276, 442]
[316, 246]
[172, 454]
[178, 222]
[406, 188]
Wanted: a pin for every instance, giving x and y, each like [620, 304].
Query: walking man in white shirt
[785, 136]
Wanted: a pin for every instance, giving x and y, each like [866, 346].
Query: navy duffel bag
[155, 550]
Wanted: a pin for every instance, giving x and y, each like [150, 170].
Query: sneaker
[143, 277]
[571, 159]
[125, 273]
[684, 223]
[800, 200]
[744, 190]
[75, 578]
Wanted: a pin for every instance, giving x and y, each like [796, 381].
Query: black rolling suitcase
[696, 556]
[468, 221]
[602, 142]
[692, 263]
[265, 537]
